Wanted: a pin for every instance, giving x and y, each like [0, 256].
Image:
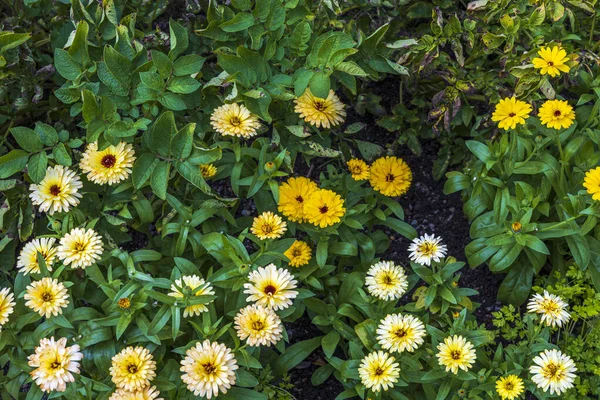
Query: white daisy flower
[427, 248]
[552, 308]
[553, 370]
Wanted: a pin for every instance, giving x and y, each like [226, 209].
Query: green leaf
[183, 84]
[240, 22]
[161, 133]
[330, 342]
[61, 155]
[47, 133]
[192, 174]
[142, 169]
[10, 40]
[160, 179]
[182, 143]
[152, 80]
[322, 250]
[36, 166]
[28, 139]
[320, 84]
[366, 333]
[295, 354]
[163, 64]
[79, 47]
[66, 65]
[350, 67]
[188, 65]
[517, 284]
[13, 162]
[172, 101]
[480, 150]
[178, 37]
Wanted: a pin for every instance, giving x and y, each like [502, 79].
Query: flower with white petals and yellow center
[28, 258]
[299, 253]
[133, 368]
[552, 308]
[7, 305]
[554, 371]
[234, 120]
[427, 248]
[54, 364]
[268, 226]
[195, 286]
[379, 371]
[108, 166]
[271, 287]
[320, 112]
[47, 297]
[58, 191]
[80, 248]
[456, 352]
[510, 387]
[386, 280]
[258, 325]
[398, 333]
[147, 393]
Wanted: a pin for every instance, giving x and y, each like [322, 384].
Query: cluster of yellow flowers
[390, 176]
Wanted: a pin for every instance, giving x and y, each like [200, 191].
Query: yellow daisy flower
[54, 364]
[47, 297]
[293, 194]
[553, 370]
[80, 248]
[324, 208]
[28, 258]
[456, 352]
[209, 369]
[386, 281]
[551, 61]
[390, 176]
[192, 285]
[552, 308]
[133, 368]
[58, 191]
[511, 112]
[7, 305]
[592, 183]
[271, 287]
[268, 226]
[556, 114]
[359, 169]
[510, 387]
[234, 120]
[259, 325]
[320, 112]
[299, 253]
[398, 333]
[378, 371]
[147, 393]
[108, 166]
[208, 170]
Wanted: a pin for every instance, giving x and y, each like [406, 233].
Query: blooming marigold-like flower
[7, 305]
[259, 325]
[47, 297]
[556, 114]
[551, 307]
[553, 370]
[551, 61]
[359, 169]
[426, 248]
[133, 368]
[510, 387]
[195, 286]
[209, 369]
[271, 287]
[54, 364]
[386, 281]
[592, 183]
[208, 170]
[299, 253]
[398, 333]
[511, 112]
[390, 176]
[147, 393]
[268, 226]
[108, 166]
[28, 258]
[58, 191]
[293, 194]
[378, 370]
[324, 208]
[80, 248]
[456, 352]
[234, 120]
[320, 112]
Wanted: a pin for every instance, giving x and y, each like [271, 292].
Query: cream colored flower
[456, 352]
[108, 166]
[7, 305]
[54, 364]
[58, 191]
[259, 325]
[234, 120]
[47, 297]
[553, 370]
[271, 287]
[378, 371]
[194, 286]
[147, 393]
[320, 112]
[133, 368]
[386, 281]
[398, 333]
[427, 248]
[28, 259]
[268, 226]
[80, 248]
[552, 308]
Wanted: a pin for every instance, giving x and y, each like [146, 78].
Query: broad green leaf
[28, 139]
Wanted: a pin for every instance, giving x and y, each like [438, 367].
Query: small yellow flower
[551, 61]
[54, 364]
[516, 226]
[124, 303]
[133, 368]
[320, 112]
[324, 208]
[592, 183]
[108, 166]
[398, 333]
[147, 393]
[268, 226]
[58, 191]
[195, 286]
[258, 325]
[510, 387]
[208, 170]
[456, 352]
[378, 371]
[271, 287]
[234, 120]
[80, 248]
[7, 305]
[511, 112]
[47, 297]
[299, 253]
[390, 176]
[28, 259]
[293, 194]
[556, 114]
[359, 169]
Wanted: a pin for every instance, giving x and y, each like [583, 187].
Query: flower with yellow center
[147, 393]
[209, 369]
[7, 305]
[427, 248]
[194, 286]
[271, 287]
[299, 253]
[456, 352]
[390, 176]
[293, 194]
[54, 364]
[80, 248]
[324, 208]
[379, 370]
[553, 370]
[551, 61]
[398, 333]
[511, 112]
[552, 308]
[208, 170]
[47, 297]
[320, 112]
[108, 166]
[516, 227]
[556, 114]
[28, 258]
[259, 325]
[133, 368]
[234, 120]
[268, 226]
[592, 183]
[359, 169]
[58, 191]
[124, 303]
[386, 281]
[510, 387]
